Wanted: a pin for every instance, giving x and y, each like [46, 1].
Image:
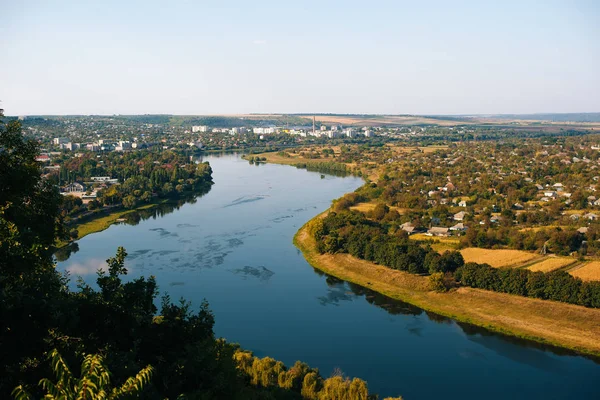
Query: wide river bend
[234, 247]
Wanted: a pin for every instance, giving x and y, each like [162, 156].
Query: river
[233, 246]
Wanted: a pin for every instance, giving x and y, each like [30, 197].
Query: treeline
[556, 285]
[299, 381]
[351, 232]
[142, 176]
[325, 166]
[160, 181]
[561, 241]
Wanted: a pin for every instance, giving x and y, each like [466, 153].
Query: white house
[459, 227]
[438, 231]
[459, 216]
[74, 187]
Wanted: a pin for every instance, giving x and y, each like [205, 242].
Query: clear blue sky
[211, 57]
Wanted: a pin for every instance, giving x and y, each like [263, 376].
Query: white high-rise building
[199, 128]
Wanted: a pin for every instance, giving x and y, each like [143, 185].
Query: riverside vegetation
[116, 328]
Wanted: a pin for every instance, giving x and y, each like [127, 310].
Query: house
[459, 216]
[408, 227]
[583, 230]
[459, 227]
[43, 158]
[495, 219]
[597, 202]
[438, 231]
[100, 178]
[74, 187]
[591, 216]
[518, 206]
[575, 217]
[462, 203]
[550, 193]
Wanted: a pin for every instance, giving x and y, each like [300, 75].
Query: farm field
[551, 264]
[497, 258]
[366, 207]
[439, 244]
[589, 272]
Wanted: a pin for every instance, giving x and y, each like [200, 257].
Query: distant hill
[562, 117]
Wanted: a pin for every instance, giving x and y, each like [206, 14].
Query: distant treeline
[332, 167]
[562, 117]
[351, 232]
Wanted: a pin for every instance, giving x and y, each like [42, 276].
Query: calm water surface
[233, 247]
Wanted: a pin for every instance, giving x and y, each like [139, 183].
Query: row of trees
[350, 232]
[556, 285]
[302, 381]
[562, 241]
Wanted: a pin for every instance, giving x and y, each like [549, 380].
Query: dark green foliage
[350, 232]
[31, 292]
[557, 285]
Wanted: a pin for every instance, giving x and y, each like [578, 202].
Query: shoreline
[105, 220]
[562, 325]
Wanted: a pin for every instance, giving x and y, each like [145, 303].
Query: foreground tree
[93, 383]
[31, 292]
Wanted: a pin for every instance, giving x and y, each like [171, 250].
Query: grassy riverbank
[558, 324]
[106, 219]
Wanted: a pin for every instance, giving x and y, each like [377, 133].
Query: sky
[234, 57]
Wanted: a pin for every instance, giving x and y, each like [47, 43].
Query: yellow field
[439, 244]
[409, 149]
[551, 264]
[497, 258]
[589, 272]
[366, 207]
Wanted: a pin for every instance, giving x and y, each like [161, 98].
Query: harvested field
[497, 258]
[439, 244]
[589, 272]
[551, 264]
[366, 207]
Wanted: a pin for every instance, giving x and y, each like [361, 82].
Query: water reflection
[65, 252]
[137, 216]
[517, 349]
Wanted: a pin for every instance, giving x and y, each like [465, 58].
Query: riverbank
[105, 219]
[558, 324]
